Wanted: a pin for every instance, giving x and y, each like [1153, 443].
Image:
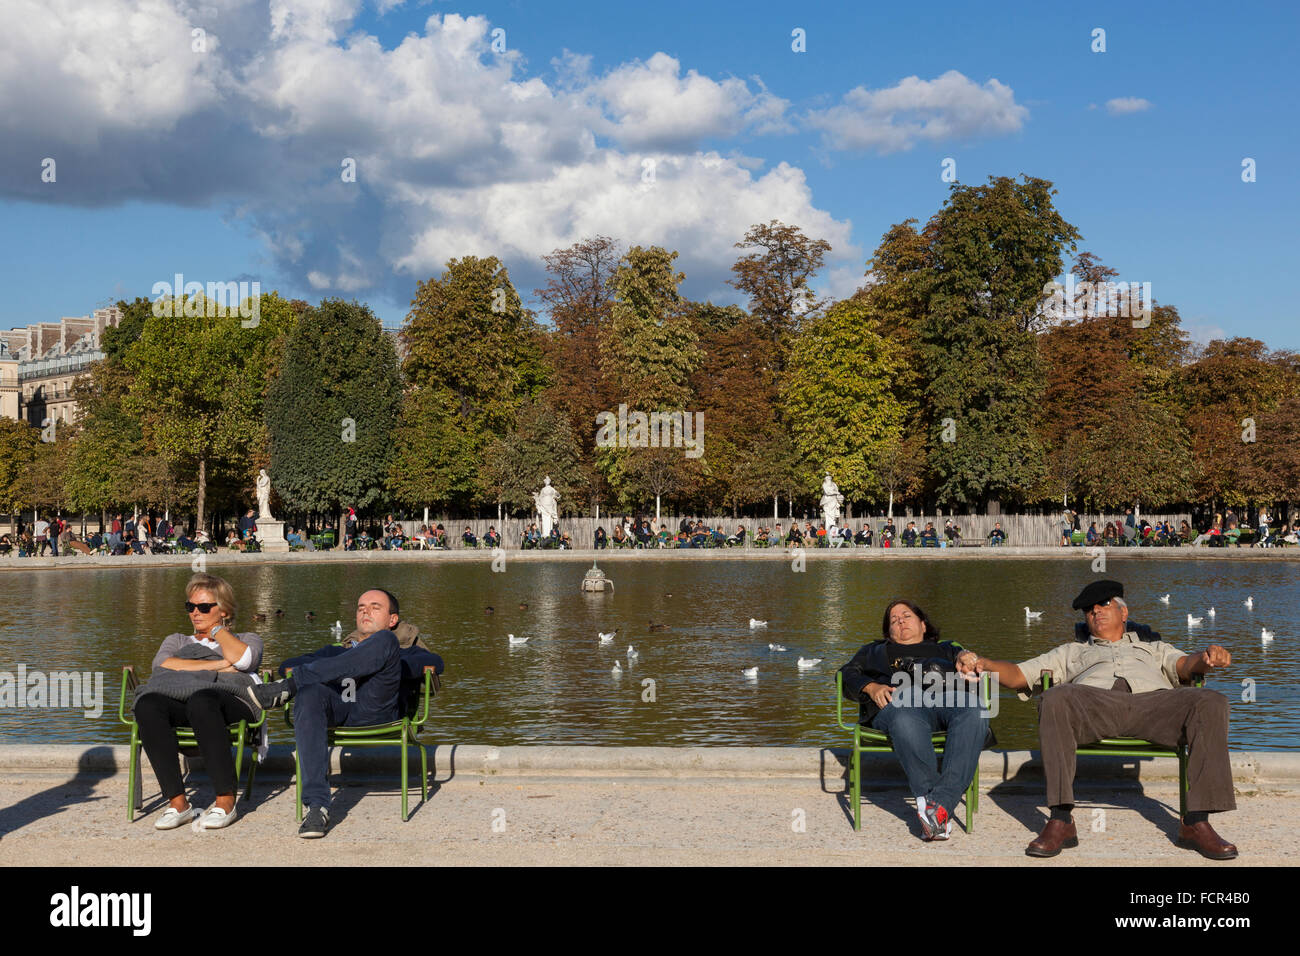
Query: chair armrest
[129, 683]
[432, 686]
[839, 703]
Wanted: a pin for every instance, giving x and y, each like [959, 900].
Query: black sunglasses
[204, 608]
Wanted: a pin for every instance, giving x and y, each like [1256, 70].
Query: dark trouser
[209, 712]
[1072, 715]
[358, 687]
[910, 729]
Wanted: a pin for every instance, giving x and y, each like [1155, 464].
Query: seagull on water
[1193, 621]
[1250, 602]
[753, 623]
[751, 672]
[337, 631]
[616, 670]
[1032, 615]
[517, 640]
[777, 647]
[631, 654]
[607, 638]
[1165, 599]
[807, 662]
[1265, 635]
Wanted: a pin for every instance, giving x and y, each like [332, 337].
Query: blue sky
[224, 163]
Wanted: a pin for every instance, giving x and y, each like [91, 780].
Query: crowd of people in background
[144, 534]
[1223, 531]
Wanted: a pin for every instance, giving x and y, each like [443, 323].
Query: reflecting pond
[558, 688]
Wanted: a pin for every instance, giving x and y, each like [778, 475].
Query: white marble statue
[547, 501]
[831, 501]
[263, 495]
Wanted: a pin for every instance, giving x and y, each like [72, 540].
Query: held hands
[1215, 656]
[968, 665]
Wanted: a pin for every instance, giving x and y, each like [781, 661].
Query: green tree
[198, 387]
[332, 408]
[540, 444]
[776, 279]
[839, 399]
[19, 445]
[993, 249]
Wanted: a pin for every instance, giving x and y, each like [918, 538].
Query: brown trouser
[1072, 715]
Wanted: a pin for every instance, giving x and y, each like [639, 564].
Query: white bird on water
[631, 654]
[777, 647]
[1250, 602]
[1265, 635]
[1165, 599]
[1211, 612]
[753, 623]
[1193, 621]
[807, 662]
[517, 640]
[616, 670]
[1032, 615]
[607, 638]
[752, 672]
[337, 631]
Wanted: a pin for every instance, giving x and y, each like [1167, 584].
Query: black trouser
[209, 712]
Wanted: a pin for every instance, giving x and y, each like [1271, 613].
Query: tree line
[942, 382]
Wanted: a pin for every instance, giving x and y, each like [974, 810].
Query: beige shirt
[1146, 665]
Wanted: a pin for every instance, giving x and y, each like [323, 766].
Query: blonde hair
[219, 589]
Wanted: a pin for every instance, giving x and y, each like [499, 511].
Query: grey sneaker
[270, 696]
[314, 823]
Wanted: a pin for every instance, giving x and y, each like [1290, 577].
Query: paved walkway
[63, 819]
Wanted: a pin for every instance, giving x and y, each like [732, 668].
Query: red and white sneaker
[935, 823]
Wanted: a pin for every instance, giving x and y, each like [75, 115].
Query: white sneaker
[173, 818]
[215, 818]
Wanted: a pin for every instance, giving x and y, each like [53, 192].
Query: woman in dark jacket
[893, 680]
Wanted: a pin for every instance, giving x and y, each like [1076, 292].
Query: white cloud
[652, 106]
[1123, 105]
[457, 151]
[893, 119]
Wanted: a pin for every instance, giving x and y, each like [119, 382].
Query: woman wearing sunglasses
[212, 646]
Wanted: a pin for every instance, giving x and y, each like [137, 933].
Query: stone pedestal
[270, 534]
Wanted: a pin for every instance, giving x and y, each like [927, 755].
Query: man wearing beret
[1115, 684]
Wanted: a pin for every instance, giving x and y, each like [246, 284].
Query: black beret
[1098, 592]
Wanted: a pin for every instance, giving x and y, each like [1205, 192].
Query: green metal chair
[403, 733]
[1138, 748]
[866, 740]
[243, 735]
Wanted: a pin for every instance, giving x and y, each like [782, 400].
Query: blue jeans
[910, 727]
[375, 665]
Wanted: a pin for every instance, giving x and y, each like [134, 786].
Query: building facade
[40, 363]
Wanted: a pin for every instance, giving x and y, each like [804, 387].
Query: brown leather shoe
[1054, 836]
[1201, 836]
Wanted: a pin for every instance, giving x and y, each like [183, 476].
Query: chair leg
[405, 758]
[133, 786]
[297, 782]
[855, 777]
[424, 774]
[1182, 784]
